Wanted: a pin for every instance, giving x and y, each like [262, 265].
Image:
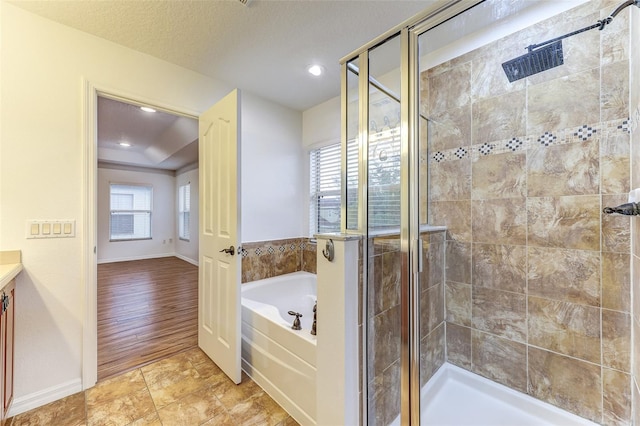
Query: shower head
[535, 61]
[547, 55]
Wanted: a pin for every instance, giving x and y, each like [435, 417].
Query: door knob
[230, 251]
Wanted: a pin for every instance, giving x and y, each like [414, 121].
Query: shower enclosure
[480, 201]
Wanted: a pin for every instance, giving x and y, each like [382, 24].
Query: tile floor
[185, 389]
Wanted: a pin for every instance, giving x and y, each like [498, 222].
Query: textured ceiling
[264, 47]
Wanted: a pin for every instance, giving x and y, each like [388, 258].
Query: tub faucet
[313, 327]
[296, 321]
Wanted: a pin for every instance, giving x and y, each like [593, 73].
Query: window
[184, 210]
[130, 212]
[325, 189]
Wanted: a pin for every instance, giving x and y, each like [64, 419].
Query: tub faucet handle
[296, 321]
[313, 326]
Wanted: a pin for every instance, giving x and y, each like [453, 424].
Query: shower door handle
[230, 251]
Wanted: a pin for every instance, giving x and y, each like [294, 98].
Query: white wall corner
[337, 347]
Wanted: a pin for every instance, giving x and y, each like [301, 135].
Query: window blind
[325, 164]
[184, 212]
[130, 217]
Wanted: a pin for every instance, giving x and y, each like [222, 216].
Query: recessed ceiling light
[125, 144]
[315, 70]
[147, 109]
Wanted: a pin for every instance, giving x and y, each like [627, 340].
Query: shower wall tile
[451, 180]
[565, 102]
[568, 383]
[499, 118]
[450, 128]
[487, 78]
[432, 353]
[384, 337]
[384, 284]
[563, 327]
[635, 397]
[614, 163]
[458, 345]
[616, 340]
[616, 285]
[498, 359]
[616, 398]
[384, 396]
[458, 302]
[455, 215]
[615, 90]
[500, 312]
[565, 275]
[458, 262]
[499, 176]
[615, 229]
[569, 222]
[615, 40]
[431, 308]
[434, 261]
[450, 90]
[501, 221]
[501, 267]
[581, 52]
[568, 169]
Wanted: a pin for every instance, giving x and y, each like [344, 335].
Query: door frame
[89, 275]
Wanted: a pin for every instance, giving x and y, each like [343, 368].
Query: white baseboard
[45, 396]
[186, 259]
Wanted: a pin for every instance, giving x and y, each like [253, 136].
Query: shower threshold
[457, 397]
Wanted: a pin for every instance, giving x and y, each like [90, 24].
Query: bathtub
[281, 360]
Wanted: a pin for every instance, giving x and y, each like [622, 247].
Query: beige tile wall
[266, 259]
[537, 278]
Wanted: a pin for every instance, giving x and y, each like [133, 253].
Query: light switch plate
[51, 229]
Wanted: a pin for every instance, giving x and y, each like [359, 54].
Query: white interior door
[219, 270]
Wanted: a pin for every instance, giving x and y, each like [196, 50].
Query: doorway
[161, 162]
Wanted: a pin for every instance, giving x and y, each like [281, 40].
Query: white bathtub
[281, 360]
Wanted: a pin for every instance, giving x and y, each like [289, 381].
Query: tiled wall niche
[266, 259]
[537, 278]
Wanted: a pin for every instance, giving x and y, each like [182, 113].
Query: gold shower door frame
[410, 242]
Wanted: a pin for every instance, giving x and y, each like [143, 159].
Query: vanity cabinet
[7, 307]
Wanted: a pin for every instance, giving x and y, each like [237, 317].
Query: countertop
[10, 266]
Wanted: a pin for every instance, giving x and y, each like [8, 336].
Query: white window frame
[184, 212]
[114, 210]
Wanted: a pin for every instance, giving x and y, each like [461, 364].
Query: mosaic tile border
[261, 248]
[582, 133]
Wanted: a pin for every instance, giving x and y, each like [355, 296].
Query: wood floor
[147, 310]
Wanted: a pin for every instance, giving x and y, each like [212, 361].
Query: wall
[188, 250]
[537, 291]
[41, 173]
[273, 195]
[163, 217]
